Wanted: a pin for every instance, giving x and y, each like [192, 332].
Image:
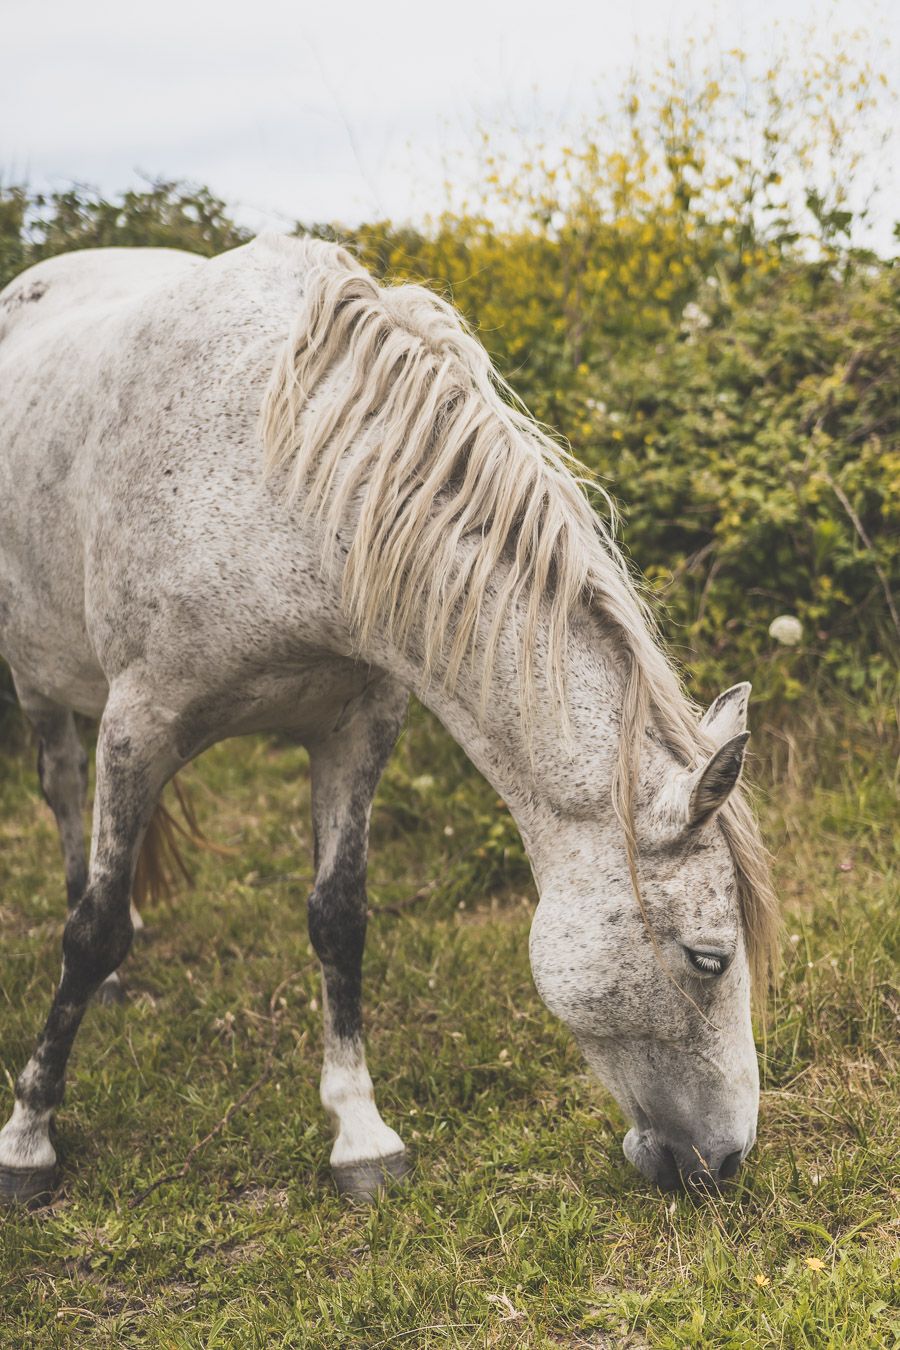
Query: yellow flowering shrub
[682, 292]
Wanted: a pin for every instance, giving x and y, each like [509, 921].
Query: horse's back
[135, 523]
[89, 280]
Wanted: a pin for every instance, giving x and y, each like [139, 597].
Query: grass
[523, 1225]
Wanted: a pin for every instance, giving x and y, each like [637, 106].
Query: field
[523, 1225]
[688, 291]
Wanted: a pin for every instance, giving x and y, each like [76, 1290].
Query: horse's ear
[711, 786]
[726, 716]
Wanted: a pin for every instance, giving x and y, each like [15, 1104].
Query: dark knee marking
[336, 915]
[96, 938]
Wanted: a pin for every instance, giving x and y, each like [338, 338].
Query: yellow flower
[761, 1280]
[814, 1263]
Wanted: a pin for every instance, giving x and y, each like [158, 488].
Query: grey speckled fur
[152, 577]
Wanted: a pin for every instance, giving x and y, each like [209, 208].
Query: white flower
[787, 630]
[693, 318]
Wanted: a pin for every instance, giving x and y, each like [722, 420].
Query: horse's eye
[707, 963]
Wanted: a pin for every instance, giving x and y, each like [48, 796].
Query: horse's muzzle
[697, 1168]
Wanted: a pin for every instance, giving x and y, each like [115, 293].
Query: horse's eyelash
[708, 962]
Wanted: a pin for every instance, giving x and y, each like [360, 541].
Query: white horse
[263, 492]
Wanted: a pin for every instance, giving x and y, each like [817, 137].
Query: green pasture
[689, 293]
[523, 1225]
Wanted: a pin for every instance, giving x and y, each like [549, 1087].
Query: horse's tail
[160, 862]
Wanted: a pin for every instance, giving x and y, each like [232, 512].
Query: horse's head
[660, 1002]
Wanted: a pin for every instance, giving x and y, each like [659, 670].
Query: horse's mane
[469, 511]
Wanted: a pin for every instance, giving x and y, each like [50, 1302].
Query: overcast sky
[327, 111]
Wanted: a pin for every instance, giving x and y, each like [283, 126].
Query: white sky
[325, 111]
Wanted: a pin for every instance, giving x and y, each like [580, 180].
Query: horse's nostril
[706, 1179]
[668, 1177]
[698, 1179]
[729, 1166]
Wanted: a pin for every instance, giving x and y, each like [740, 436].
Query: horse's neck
[546, 767]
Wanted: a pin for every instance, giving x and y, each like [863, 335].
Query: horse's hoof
[29, 1187]
[111, 993]
[364, 1181]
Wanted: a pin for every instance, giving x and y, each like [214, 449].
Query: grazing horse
[262, 493]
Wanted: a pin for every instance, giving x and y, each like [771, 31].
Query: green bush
[681, 293]
[164, 215]
[702, 323]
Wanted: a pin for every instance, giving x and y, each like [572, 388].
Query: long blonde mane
[469, 512]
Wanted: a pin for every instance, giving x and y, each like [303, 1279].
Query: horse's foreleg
[346, 765]
[133, 763]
